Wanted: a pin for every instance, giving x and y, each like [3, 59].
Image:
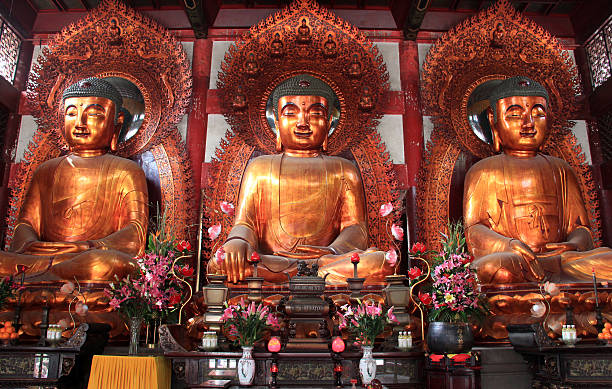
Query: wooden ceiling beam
[59, 4]
[84, 4]
[454, 4]
[414, 18]
[201, 14]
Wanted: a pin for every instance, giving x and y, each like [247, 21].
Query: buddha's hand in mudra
[237, 253]
[307, 252]
[530, 259]
[54, 248]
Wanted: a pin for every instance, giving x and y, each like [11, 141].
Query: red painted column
[412, 128]
[198, 117]
[412, 119]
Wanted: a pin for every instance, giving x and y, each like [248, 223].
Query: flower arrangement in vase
[156, 290]
[365, 322]
[247, 323]
[455, 298]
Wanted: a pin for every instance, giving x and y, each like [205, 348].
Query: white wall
[390, 127]
[28, 125]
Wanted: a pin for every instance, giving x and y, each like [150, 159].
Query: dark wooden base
[582, 366]
[395, 369]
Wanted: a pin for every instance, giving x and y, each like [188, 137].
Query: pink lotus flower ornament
[397, 232]
[220, 256]
[538, 309]
[67, 288]
[391, 257]
[227, 208]
[81, 309]
[214, 231]
[551, 288]
[386, 209]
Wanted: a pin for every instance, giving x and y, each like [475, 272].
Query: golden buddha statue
[525, 219]
[301, 204]
[85, 214]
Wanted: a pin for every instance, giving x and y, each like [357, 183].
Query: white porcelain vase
[246, 367]
[367, 366]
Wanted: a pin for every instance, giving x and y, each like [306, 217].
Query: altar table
[583, 366]
[129, 372]
[306, 369]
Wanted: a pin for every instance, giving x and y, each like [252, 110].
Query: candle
[355, 260]
[595, 288]
[254, 260]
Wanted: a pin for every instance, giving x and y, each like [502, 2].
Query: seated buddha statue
[85, 213]
[525, 219]
[301, 204]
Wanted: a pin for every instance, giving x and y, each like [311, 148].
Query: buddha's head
[302, 109]
[92, 116]
[518, 116]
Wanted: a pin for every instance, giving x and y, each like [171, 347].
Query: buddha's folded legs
[501, 268]
[579, 266]
[91, 265]
[275, 269]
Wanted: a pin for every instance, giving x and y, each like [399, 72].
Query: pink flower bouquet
[454, 296]
[366, 321]
[247, 323]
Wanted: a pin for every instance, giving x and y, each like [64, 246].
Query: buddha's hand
[533, 266]
[55, 248]
[307, 252]
[558, 249]
[237, 251]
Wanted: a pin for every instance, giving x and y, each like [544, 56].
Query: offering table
[394, 369]
[582, 366]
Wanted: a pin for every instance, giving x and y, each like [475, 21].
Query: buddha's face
[521, 124]
[303, 122]
[89, 123]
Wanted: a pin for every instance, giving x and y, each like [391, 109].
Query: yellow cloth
[111, 372]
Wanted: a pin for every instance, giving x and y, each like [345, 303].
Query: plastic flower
[67, 288]
[386, 209]
[551, 288]
[214, 231]
[397, 232]
[538, 309]
[81, 308]
[391, 257]
[174, 299]
[449, 298]
[391, 316]
[64, 323]
[414, 272]
[183, 245]
[227, 208]
[418, 248]
[187, 271]
[425, 298]
[220, 256]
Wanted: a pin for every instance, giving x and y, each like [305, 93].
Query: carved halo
[287, 43]
[113, 40]
[494, 44]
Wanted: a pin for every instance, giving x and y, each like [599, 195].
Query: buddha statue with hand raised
[301, 204]
[525, 219]
[85, 214]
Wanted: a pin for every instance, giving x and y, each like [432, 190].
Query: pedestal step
[503, 368]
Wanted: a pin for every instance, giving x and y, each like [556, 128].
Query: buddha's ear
[118, 124]
[494, 133]
[279, 144]
[324, 145]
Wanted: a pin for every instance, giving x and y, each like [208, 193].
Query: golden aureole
[301, 204]
[85, 214]
[524, 214]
